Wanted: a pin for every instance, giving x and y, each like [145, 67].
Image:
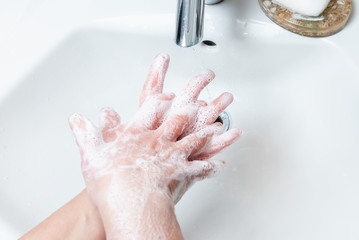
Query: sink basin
[293, 174]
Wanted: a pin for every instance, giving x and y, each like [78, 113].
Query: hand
[163, 150]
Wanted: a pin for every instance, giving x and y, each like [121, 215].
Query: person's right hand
[204, 114]
[207, 113]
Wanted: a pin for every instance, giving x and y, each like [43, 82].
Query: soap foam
[152, 111]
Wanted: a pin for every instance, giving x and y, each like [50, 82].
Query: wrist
[137, 216]
[91, 218]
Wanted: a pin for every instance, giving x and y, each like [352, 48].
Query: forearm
[159, 219]
[78, 219]
[136, 218]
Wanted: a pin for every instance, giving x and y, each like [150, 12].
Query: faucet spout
[189, 27]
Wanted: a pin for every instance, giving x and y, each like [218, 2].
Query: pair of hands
[164, 149]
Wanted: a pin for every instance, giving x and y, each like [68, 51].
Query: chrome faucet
[189, 27]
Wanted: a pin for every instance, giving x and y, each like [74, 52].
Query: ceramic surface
[292, 175]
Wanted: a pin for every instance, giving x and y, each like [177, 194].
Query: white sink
[293, 174]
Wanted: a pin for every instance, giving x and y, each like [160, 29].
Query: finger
[151, 113]
[194, 142]
[155, 77]
[199, 170]
[209, 114]
[173, 127]
[110, 124]
[202, 103]
[218, 143]
[196, 85]
[85, 132]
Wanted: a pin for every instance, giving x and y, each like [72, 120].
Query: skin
[135, 173]
[79, 219]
